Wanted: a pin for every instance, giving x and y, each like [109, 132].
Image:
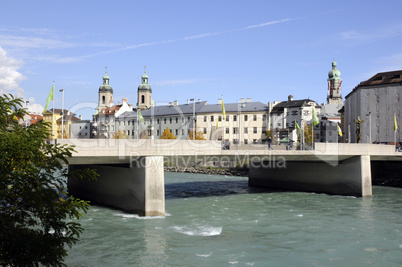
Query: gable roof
[293, 104]
[381, 78]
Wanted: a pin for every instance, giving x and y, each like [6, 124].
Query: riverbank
[209, 170]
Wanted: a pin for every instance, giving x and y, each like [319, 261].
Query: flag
[140, 117]
[223, 110]
[298, 127]
[49, 98]
[315, 118]
[339, 130]
[395, 124]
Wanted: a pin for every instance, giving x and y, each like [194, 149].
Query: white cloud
[374, 34]
[32, 42]
[10, 77]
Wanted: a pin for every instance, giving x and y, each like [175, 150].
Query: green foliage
[167, 134]
[37, 216]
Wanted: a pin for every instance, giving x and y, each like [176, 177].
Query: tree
[198, 135]
[121, 134]
[167, 134]
[307, 134]
[37, 215]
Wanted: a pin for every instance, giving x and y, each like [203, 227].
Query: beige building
[54, 117]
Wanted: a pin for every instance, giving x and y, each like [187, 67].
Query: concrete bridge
[132, 175]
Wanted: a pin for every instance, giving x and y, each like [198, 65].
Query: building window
[220, 118]
[177, 120]
[157, 121]
[182, 131]
[294, 112]
[227, 117]
[157, 132]
[212, 118]
[235, 141]
[255, 130]
[234, 118]
[205, 130]
[235, 131]
[245, 130]
[142, 99]
[128, 123]
[245, 141]
[264, 130]
[264, 117]
[245, 117]
[177, 132]
[103, 99]
[164, 120]
[227, 130]
[287, 124]
[205, 118]
[170, 120]
[255, 117]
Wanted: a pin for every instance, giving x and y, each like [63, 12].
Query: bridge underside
[138, 189]
[351, 176]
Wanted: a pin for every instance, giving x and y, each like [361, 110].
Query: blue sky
[263, 50]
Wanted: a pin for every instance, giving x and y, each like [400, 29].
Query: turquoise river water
[220, 221]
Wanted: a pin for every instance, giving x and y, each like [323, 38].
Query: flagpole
[62, 112]
[138, 132]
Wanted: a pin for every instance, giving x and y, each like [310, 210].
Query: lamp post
[369, 128]
[62, 112]
[193, 99]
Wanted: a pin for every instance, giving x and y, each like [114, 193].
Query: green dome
[144, 85]
[105, 87]
[334, 73]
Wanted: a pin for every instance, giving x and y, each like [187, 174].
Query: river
[219, 221]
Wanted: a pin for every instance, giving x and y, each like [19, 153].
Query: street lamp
[62, 112]
[192, 99]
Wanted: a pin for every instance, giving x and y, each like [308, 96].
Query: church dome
[334, 73]
[105, 87]
[144, 85]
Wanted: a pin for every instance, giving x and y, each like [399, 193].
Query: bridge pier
[348, 177]
[138, 189]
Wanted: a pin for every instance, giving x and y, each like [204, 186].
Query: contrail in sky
[187, 38]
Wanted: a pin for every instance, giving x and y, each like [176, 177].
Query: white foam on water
[371, 249]
[135, 216]
[250, 263]
[233, 262]
[199, 230]
[204, 255]
[299, 215]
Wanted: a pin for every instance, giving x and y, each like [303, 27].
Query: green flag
[298, 127]
[49, 98]
[315, 118]
[140, 117]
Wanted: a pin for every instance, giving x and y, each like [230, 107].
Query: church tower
[334, 85]
[105, 94]
[144, 99]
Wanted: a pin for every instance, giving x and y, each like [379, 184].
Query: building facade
[372, 107]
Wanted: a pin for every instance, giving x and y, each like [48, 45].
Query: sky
[263, 50]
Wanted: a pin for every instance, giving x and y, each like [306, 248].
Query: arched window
[142, 99]
[103, 99]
